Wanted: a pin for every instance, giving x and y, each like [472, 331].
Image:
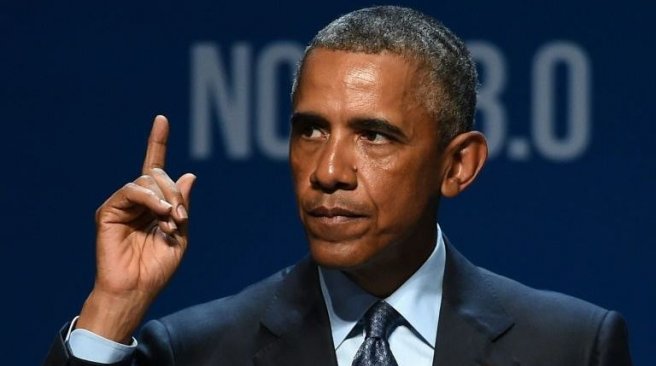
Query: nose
[335, 168]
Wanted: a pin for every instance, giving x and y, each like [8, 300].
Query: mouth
[334, 214]
[335, 223]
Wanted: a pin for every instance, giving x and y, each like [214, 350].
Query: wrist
[113, 316]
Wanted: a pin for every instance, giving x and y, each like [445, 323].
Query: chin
[342, 256]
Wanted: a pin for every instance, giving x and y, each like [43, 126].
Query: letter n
[211, 91]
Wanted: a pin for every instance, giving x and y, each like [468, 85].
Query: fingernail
[166, 204]
[172, 225]
[182, 212]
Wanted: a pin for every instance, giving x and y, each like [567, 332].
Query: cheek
[377, 159]
[388, 184]
[400, 187]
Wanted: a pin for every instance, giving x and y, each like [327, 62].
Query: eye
[375, 137]
[311, 132]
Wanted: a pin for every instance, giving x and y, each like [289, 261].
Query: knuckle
[156, 169]
[166, 184]
[101, 212]
[144, 179]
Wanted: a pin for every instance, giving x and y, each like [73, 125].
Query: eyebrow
[307, 117]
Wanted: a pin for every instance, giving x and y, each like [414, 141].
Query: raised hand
[141, 238]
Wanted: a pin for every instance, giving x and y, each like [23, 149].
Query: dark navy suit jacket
[485, 319]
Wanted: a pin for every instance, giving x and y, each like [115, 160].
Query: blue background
[80, 84]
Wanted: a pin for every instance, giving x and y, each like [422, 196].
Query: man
[382, 128]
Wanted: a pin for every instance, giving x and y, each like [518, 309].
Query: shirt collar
[418, 300]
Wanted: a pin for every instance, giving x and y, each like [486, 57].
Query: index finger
[156, 150]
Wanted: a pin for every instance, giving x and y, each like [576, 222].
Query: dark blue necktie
[379, 321]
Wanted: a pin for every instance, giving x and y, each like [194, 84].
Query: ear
[463, 159]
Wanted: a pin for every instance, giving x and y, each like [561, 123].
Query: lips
[335, 224]
[334, 212]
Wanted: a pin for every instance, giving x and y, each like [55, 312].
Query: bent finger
[185, 183]
[171, 193]
[166, 223]
[132, 196]
[147, 181]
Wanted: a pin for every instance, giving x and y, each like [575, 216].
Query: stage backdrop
[565, 203]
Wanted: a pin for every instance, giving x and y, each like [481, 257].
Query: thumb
[185, 183]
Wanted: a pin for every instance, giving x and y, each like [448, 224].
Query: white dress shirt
[418, 300]
[89, 346]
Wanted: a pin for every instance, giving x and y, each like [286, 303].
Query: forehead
[358, 82]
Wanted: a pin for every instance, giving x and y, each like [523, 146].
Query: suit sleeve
[154, 349]
[612, 346]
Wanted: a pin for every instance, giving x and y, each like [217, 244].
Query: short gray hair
[449, 86]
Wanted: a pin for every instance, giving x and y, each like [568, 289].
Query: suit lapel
[471, 317]
[298, 319]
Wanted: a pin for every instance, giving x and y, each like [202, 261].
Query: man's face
[365, 159]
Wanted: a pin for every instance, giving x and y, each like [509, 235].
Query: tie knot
[380, 320]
